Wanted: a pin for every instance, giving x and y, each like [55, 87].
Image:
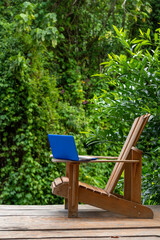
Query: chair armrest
[94, 161]
[99, 157]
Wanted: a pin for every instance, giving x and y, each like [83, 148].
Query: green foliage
[131, 88]
[154, 19]
[49, 50]
[27, 109]
[31, 105]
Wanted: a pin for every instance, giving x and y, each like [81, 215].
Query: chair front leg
[73, 190]
[67, 175]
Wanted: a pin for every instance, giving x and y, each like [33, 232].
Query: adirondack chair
[129, 161]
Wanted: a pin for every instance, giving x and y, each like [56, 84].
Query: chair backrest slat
[133, 136]
[146, 117]
[117, 165]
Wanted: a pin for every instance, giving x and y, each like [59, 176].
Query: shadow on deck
[51, 222]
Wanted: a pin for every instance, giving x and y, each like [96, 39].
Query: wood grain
[85, 233]
[73, 190]
[133, 136]
[103, 160]
[132, 177]
[114, 204]
[67, 175]
[51, 222]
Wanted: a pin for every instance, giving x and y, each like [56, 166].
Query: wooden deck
[51, 222]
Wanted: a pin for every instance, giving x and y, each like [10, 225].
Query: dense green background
[85, 68]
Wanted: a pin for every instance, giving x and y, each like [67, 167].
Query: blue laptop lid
[63, 147]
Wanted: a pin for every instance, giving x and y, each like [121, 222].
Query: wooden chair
[129, 160]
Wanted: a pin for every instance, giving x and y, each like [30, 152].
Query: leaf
[129, 51]
[136, 40]
[148, 34]
[28, 6]
[117, 31]
[155, 37]
[54, 43]
[24, 17]
[125, 43]
[158, 30]
[110, 57]
[141, 32]
[146, 108]
[135, 18]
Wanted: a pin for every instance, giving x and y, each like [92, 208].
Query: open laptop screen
[63, 147]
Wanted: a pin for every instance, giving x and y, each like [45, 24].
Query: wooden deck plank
[89, 218]
[43, 223]
[51, 222]
[84, 233]
[56, 208]
[102, 238]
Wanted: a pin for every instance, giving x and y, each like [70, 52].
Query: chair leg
[132, 177]
[73, 190]
[67, 175]
[136, 179]
[128, 179]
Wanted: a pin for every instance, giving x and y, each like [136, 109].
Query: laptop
[64, 147]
